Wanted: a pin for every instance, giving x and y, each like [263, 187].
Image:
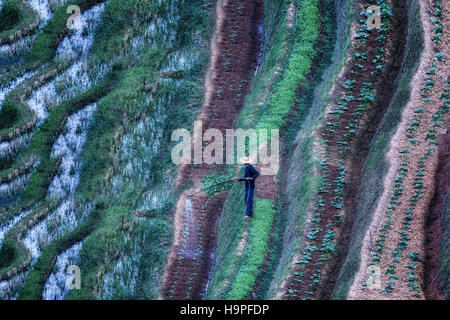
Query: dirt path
[385, 92]
[234, 53]
[347, 127]
[397, 233]
[434, 221]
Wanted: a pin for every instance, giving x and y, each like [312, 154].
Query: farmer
[250, 175]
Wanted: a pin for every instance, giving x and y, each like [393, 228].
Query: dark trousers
[249, 192]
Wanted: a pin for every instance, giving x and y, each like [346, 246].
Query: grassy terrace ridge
[444, 267]
[412, 280]
[11, 169]
[17, 18]
[376, 165]
[14, 110]
[298, 66]
[444, 275]
[141, 79]
[255, 253]
[17, 117]
[14, 256]
[35, 282]
[310, 96]
[303, 156]
[36, 189]
[335, 89]
[320, 238]
[47, 41]
[276, 51]
[106, 124]
[42, 142]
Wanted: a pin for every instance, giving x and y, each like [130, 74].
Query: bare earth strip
[234, 49]
[400, 141]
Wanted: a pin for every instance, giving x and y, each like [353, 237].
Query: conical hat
[244, 160]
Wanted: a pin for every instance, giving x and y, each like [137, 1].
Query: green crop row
[298, 67]
[253, 259]
[35, 281]
[44, 47]
[274, 117]
[277, 46]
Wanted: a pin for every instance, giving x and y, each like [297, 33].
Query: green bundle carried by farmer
[250, 175]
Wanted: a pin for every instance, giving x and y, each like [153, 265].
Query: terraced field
[91, 92]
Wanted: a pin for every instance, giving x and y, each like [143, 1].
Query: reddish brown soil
[234, 53]
[434, 222]
[402, 289]
[384, 94]
[353, 158]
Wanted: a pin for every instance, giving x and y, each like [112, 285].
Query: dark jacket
[250, 172]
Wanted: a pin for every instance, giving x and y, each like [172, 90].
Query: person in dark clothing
[250, 175]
